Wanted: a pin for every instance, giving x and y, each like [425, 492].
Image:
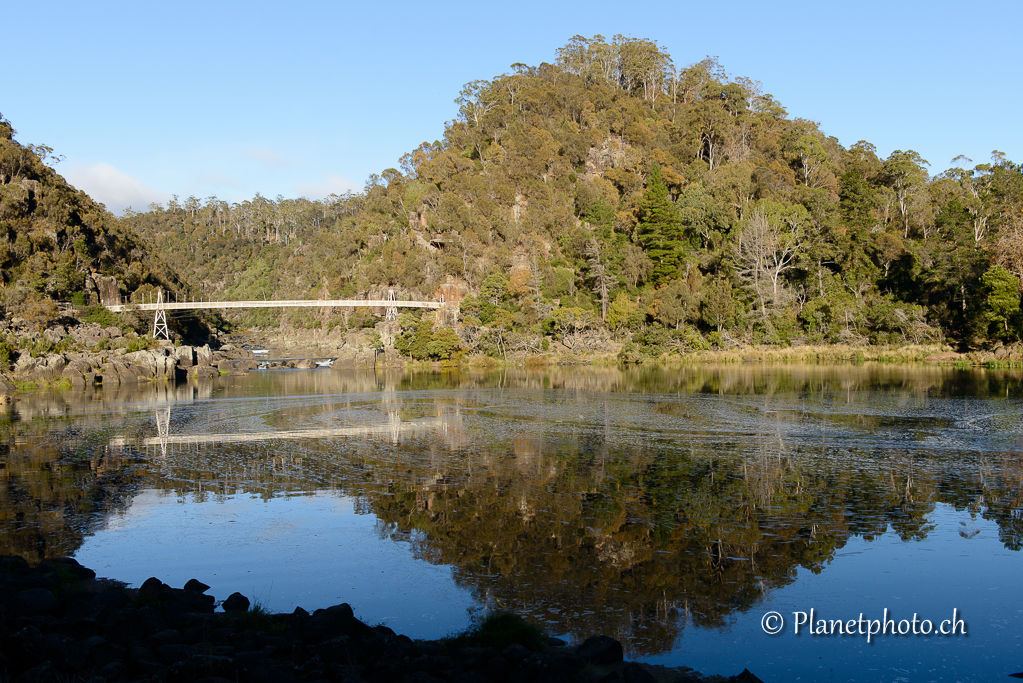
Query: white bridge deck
[284, 303]
[392, 430]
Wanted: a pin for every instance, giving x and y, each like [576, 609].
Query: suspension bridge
[393, 430]
[159, 306]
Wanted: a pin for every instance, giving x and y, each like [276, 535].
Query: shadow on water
[635, 502]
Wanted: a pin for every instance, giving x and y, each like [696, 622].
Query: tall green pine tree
[660, 232]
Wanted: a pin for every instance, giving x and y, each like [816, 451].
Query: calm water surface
[671, 509]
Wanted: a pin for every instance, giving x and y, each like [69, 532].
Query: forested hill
[613, 194]
[57, 244]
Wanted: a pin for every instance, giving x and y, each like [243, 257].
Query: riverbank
[89, 354]
[58, 621]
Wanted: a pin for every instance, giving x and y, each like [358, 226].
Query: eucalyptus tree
[1008, 248]
[904, 172]
[766, 247]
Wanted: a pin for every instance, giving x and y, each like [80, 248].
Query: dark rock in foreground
[59, 623]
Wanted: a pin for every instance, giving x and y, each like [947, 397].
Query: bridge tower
[392, 310]
[160, 320]
[163, 427]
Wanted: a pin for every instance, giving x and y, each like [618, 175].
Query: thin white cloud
[116, 189]
[270, 159]
[217, 179]
[332, 184]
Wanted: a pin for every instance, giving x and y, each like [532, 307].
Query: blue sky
[146, 100]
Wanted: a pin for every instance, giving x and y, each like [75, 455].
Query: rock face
[203, 355]
[114, 367]
[185, 356]
[80, 373]
[47, 368]
[109, 292]
[59, 623]
[154, 364]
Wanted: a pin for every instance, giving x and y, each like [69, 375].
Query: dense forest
[614, 197]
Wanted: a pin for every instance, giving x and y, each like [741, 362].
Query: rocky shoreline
[58, 622]
[87, 355]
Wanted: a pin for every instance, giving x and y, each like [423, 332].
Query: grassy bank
[835, 353]
[749, 354]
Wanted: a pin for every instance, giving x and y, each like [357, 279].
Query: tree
[676, 303]
[494, 288]
[636, 265]
[621, 312]
[955, 271]
[857, 201]
[570, 322]
[974, 186]
[659, 230]
[1002, 288]
[642, 66]
[904, 172]
[764, 250]
[711, 120]
[718, 304]
[1009, 246]
[601, 279]
[475, 100]
[812, 157]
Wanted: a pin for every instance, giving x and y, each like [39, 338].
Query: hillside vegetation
[615, 197]
[59, 248]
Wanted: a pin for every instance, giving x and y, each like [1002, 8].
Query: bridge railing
[283, 303]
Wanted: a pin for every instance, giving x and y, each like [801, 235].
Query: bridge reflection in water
[391, 430]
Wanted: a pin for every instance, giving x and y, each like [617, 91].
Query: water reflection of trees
[571, 522]
[56, 490]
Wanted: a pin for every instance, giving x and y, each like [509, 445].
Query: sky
[227, 99]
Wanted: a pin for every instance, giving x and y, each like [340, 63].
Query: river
[682, 511]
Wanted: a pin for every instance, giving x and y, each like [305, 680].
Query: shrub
[499, 630]
[99, 315]
[141, 343]
[6, 353]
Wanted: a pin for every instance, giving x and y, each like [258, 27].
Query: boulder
[196, 585]
[55, 335]
[119, 372]
[601, 650]
[204, 372]
[24, 366]
[51, 367]
[203, 355]
[79, 378]
[236, 602]
[33, 602]
[332, 622]
[185, 356]
[143, 362]
[79, 365]
[633, 672]
[47, 368]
